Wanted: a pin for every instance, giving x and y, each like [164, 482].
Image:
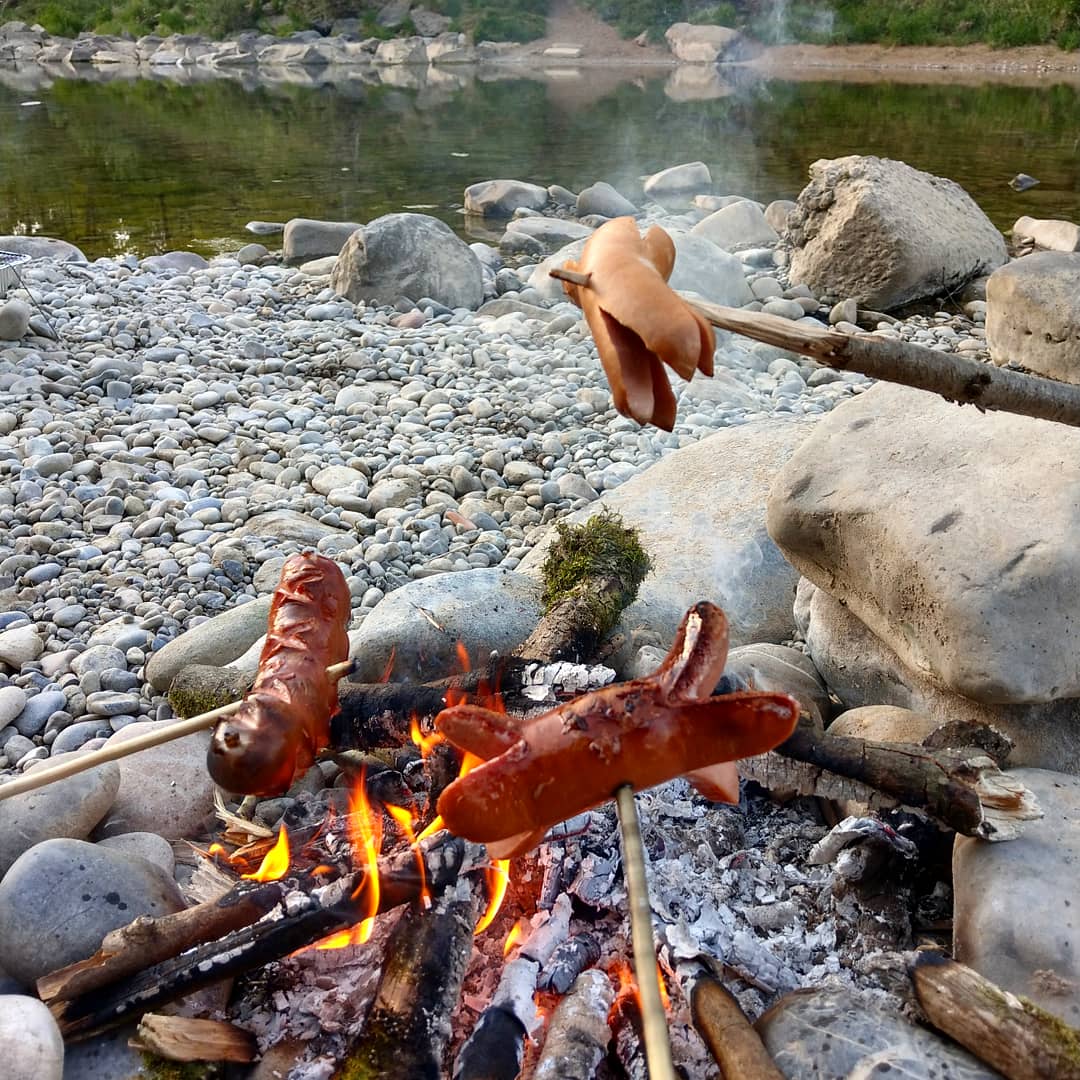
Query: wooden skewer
[955, 378]
[653, 1018]
[77, 763]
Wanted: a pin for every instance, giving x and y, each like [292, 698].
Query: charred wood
[496, 1046]
[1009, 1033]
[407, 1030]
[297, 921]
[578, 1034]
[963, 789]
[627, 1040]
[568, 961]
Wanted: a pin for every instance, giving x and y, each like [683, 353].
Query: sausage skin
[285, 720]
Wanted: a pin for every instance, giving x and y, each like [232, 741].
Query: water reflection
[117, 162]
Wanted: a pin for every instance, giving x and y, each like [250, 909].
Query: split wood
[299, 919]
[955, 378]
[1009, 1033]
[653, 1018]
[74, 764]
[730, 1036]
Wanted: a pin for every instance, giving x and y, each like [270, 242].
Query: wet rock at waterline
[306, 239]
[61, 897]
[500, 198]
[885, 234]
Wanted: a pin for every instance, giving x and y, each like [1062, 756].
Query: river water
[149, 165]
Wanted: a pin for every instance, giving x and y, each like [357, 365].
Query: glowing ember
[498, 878]
[215, 850]
[275, 864]
[512, 938]
[664, 998]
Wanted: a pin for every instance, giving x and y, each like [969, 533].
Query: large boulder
[699, 516]
[42, 247]
[694, 44]
[411, 255]
[306, 239]
[863, 672]
[948, 532]
[678, 180]
[742, 224]
[884, 233]
[411, 50]
[1033, 314]
[703, 268]
[1053, 234]
[500, 198]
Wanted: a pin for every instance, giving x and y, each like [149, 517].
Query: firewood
[578, 1034]
[729, 1035]
[1009, 1033]
[183, 1038]
[407, 1029]
[300, 919]
[496, 1045]
[962, 789]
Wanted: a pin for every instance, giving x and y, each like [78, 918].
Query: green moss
[159, 1068]
[601, 548]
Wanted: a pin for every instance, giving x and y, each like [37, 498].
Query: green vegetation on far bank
[491, 20]
[998, 23]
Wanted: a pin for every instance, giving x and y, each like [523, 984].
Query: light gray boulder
[1049, 233]
[65, 808]
[14, 320]
[410, 50]
[548, 287]
[703, 268]
[1033, 314]
[500, 198]
[164, 789]
[411, 255]
[551, 233]
[429, 23]
[1014, 907]
[742, 224]
[836, 1033]
[777, 211]
[217, 641]
[699, 513]
[862, 671]
[692, 43]
[31, 1046]
[885, 233]
[174, 262]
[251, 254]
[783, 670]
[20, 645]
[289, 525]
[62, 897]
[42, 247]
[306, 239]
[948, 532]
[144, 845]
[601, 198]
[678, 179]
[421, 623]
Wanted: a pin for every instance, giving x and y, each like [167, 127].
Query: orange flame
[404, 822]
[275, 864]
[365, 834]
[433, 827]
[662, 982]
[498, 878]
[512, 938]
[425, 743]
[216, 849]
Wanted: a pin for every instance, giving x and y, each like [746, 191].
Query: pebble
[31, 1041]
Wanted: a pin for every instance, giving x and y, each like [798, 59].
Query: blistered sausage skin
[285, 720]
[641, 733]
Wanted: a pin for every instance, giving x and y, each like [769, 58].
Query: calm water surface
[147, 166]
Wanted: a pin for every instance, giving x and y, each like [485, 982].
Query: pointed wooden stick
[955, 378]
[653, 1017]
[77, 763]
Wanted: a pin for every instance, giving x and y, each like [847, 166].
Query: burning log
[299, 919]
[578, 1033]
[408, 1027]
[729, 1035]
[963, 789]
[568, 961]
[183, 1038]
[1009, 1033]
[628, 1041]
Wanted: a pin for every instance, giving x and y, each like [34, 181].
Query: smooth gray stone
[35, 715]
[838, 1035]
[421, 623]
[602, 198]
[19, 645]
[61, 897]
[64, 808]
[145, 845]
[12, 702]
[217, 641]
[288, 525]
[30, 1040]
[1016, 913]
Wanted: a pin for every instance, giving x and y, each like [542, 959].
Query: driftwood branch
[1009, 1033]
[962, 789]
[729, 1035]
[300, 919]
[955, 378]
